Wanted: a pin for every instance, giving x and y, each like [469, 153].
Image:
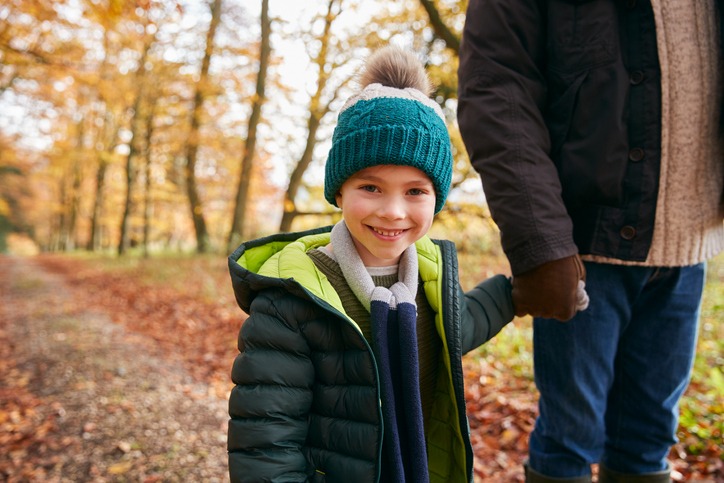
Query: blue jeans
[610, 379]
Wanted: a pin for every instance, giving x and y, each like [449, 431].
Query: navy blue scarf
[393, 314]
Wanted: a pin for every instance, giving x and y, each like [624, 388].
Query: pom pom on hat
[395, 67]
[392, 121]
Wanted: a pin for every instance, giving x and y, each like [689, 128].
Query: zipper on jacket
[327, 306]
[458, 382]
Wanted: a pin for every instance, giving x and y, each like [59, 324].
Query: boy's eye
[369, 188]
[416, 192]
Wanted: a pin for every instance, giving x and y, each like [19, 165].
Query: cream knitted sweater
[689, 211]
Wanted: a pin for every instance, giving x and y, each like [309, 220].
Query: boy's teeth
[387, 233]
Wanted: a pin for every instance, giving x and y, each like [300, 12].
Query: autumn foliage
[179, 125]
[158, 128]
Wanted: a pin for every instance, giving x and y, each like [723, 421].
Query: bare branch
[441, 30]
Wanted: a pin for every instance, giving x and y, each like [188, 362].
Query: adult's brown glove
[549, 290]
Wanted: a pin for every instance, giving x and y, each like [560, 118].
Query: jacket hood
[254, 266]
[281, 261]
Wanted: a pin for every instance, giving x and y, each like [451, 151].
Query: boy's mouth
[391, 233]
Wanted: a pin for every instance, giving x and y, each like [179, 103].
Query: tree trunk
[295, 180]
[74, 206]
[316, 113]
[192, 145]
[237, 227]
[63, 217]
[125, 240]
[148, 212]
[70, 242]
[104, 158]
[94, 243]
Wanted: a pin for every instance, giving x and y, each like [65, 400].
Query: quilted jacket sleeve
[486, 309]
[269, 404]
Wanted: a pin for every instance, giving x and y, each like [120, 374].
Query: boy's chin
[386, 258]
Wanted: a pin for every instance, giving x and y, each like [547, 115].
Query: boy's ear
[338, 198]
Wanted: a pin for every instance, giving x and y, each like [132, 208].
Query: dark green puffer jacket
[306, 404]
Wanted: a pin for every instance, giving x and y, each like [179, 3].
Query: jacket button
[636, 155]
[628, 232]
[630, 4]
[636, 77]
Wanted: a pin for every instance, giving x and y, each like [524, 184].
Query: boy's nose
[391, 208]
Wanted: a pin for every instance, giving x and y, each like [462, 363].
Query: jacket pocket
[318, 477]
[589, 136]
[562, 100]
[581, 34]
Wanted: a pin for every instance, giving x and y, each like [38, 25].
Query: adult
[594, 126]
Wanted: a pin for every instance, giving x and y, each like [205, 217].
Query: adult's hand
[549, 290]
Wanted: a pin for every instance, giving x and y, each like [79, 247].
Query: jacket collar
[281, 261]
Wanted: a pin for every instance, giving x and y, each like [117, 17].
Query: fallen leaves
[114, 429]
[201, 331]
[120, 468]
[501, 410]
[23, 430]
[184, 318]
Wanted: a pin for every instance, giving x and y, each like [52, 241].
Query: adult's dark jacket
[560, 111]
[306, 405]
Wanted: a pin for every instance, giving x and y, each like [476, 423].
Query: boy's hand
[550, 290]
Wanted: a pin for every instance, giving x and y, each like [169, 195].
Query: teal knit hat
[388, 125]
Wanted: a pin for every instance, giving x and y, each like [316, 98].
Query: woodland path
[84, 399]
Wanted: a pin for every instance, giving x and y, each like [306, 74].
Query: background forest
[188, 125]
[140, 142]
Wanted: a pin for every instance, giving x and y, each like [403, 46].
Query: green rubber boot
[532, 476]
[606, 475]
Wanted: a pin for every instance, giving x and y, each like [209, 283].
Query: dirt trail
[83, 399]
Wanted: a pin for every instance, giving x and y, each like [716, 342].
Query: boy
[350, 365]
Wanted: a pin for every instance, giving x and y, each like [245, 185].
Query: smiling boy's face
[386, 208]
